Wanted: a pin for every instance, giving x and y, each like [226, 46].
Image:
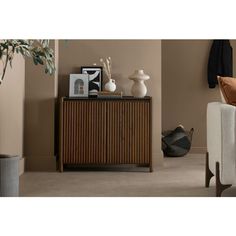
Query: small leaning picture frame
[78, 85]
[94, 79]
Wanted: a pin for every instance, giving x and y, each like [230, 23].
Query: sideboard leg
[150, 168]
[208, 173]
[61, 167]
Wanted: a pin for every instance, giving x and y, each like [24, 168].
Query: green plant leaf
[38, 50]
[40, 61]
[10, 62]
[35, 61]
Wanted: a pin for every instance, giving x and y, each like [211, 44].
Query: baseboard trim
[21, 166]
[48, 163]
[198, 150]
[157, 159]
[40, 163]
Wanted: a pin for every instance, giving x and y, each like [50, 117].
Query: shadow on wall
[39, 123]
[64, 85]
[119, 78]
[185, 91]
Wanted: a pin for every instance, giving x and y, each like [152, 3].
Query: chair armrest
[221, 140]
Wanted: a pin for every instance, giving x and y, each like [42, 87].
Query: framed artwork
[78, 85]
[95, 79]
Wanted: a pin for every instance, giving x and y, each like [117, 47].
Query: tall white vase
[139, 88]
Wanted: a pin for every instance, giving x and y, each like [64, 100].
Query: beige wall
[40, 93]
[36, 117]
[127, 55]
[12, 108]
[185, 91]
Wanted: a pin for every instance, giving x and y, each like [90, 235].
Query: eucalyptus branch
[38, 50]
[5, 67]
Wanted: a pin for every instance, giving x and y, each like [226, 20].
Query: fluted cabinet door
[83, 132]
[94, 131]
[128, 132]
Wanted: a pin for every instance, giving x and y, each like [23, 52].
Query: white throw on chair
[221, 145]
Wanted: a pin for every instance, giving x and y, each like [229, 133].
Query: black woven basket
[176, 143]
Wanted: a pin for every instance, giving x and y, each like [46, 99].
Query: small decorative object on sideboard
[106, 94]
[78, 85]
[95, 79]
[139, 89]
[110, 86]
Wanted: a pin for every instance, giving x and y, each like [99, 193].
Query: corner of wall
[21, 166]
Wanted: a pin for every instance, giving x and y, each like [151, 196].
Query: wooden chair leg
[208, 173]
[219, 186]
[150, 168]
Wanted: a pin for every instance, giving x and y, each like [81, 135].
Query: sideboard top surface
[105, 99]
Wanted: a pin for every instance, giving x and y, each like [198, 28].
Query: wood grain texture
[105, 132]
[128, 131]
[61, 135]
[84, 125]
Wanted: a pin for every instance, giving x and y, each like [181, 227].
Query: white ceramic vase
[110, 86]
[139, 88]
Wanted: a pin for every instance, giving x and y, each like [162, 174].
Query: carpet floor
[178, 177]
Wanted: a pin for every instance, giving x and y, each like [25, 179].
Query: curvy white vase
[139, 89]
[110, 86]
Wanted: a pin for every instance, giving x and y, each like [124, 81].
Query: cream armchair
[221, 145]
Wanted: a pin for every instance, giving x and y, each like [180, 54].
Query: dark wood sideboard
[105, 131]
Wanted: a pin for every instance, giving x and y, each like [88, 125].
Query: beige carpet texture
[179, 177]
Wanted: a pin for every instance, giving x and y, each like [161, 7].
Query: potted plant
[41, 53]
[38, 50]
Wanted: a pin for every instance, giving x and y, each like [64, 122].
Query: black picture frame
[94, 84]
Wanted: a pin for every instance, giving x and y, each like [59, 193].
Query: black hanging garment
[220, 61]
